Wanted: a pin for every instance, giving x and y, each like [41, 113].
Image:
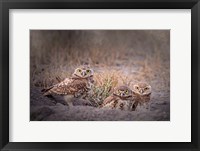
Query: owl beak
[141, 91]
[83, 73]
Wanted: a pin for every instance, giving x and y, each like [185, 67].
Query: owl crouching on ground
[121, 99]
[77, 86]
[142, 95]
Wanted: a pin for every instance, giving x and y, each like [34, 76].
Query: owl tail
[47, 91]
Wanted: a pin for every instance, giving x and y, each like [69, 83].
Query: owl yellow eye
[137, 87]
[146, 88]
[126, 91]
[88, 71]
[79, 70]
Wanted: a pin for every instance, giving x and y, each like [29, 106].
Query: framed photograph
[91, 75]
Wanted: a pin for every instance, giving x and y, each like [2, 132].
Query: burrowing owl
[142, 93]
[78, 85]
[120, 99]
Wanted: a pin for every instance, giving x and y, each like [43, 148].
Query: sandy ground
[134, 55]
[55, 109]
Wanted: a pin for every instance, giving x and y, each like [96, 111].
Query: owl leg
[78, 94]
[69, 100]
[84, 95]
[139, 107]
[147, 106]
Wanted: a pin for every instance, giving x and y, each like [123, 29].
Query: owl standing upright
[142, 94]
[120, 99]
[78, 85]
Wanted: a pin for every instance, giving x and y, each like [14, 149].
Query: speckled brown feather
[68, 87]
[115, 102]
[140, 100]
[109, 99]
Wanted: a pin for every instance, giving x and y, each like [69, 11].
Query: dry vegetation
[118, 57]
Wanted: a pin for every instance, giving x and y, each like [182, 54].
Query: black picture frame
[5, 5]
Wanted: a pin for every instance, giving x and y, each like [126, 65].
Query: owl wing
[140, 100]
[108, 100]
[66, 87]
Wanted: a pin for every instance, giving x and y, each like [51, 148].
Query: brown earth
[117, 57]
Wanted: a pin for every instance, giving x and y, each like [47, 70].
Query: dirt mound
[55, 109]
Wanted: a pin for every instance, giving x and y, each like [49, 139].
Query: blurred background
[117, 57]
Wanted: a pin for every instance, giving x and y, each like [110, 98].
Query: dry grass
[118, 57]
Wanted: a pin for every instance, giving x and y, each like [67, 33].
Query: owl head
[142, 88]
[122, 91]
[83, 72]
